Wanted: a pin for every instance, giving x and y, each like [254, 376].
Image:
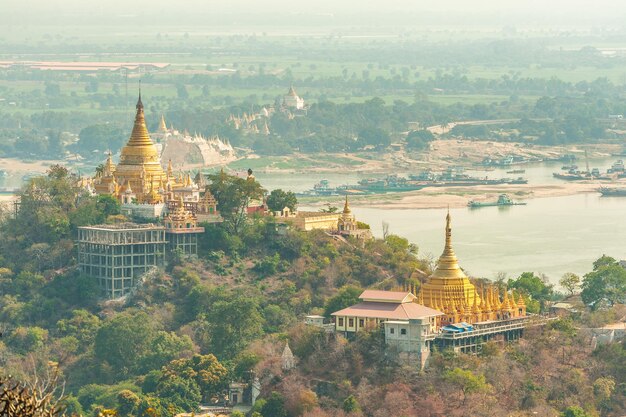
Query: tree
[82, 325]
[27, 339]
[466, 381]
[274, 406]
[233, 195]
[17, 400]
[606, 284]
[532, 285]
[279, 199]
[374, 136]
[181, 91]
[351, 405]
[234, 323]
[345, 297]
[204, 370]
[165, 346]
[574, 411]
[419, 140]
[128, 402]
[570, 282]
[182, 393]
[603, 390]
[101, 137]
[124, 341]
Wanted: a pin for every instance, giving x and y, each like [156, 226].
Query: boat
[612, 191]
[517, 171]
[320, 189]
[503, 200]
[391, 183]
[618, 167]
[569, 167]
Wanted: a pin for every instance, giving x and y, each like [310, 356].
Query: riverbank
[456, 197]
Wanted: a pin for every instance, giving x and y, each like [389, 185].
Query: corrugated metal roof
[392, 311]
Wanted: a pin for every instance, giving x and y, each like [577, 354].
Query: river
[551, 235]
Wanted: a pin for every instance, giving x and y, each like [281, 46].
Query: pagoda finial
[139, 103]
[346, 206]
[448, 246]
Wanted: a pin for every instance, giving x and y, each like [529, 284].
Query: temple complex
[448, 311]
[342, 223]
[143, 187]
[139, 176]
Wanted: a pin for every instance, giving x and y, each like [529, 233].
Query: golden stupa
[448, 283]
[139, 168]
[450, 291]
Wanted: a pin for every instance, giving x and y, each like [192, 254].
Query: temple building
[138, 179]
[342, 223]
[139, 168]
[144, 188]
[182, 230]
[183, 148]
[377, 307]
[292, 101]
[347, 224]
[450, 291]
[448, 312]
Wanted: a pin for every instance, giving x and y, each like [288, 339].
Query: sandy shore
[21, 167]
[454, 197]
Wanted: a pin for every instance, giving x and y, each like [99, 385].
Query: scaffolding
[184, 239]
[483, 332]
[118, 255]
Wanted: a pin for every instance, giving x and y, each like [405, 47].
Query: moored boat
[612, 191]
[503, 200]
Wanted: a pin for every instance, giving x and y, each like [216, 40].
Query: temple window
[403, 331]
[341, 321]
[392, 330]
[361, 322]
[350, 322]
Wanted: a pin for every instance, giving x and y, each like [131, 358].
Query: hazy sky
[496, 12]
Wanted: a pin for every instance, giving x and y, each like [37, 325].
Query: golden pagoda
[347, 221]
[140, 164]
[450, 291]
[139, 168]
[448, 282]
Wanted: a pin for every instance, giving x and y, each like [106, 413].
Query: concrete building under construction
[117, 255]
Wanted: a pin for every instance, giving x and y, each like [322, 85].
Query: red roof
[389, 311]
[387, 296]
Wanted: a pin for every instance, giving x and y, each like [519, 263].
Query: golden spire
[162, 125]
[506, 304]
[448, 266]
[346, 206]
[488, 301]
[497, 304]
[109, 168]
[475, 308]
[520, 300]
[139, 135]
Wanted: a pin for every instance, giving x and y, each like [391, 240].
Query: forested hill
[192, 329]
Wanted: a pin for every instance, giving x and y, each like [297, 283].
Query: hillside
[190, 330]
